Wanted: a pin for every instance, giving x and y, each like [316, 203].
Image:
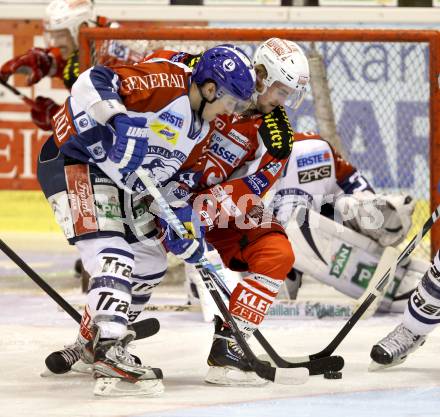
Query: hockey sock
[251, 300]
[109, 296]
[141, 288]
[423, 311]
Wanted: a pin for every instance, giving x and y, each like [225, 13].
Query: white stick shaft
[171, 217]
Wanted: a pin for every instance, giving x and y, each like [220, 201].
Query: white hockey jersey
[315, 175]
[157, 91]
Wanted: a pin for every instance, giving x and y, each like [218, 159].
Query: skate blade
[290, 376]
[374, 366]
[47, 373]
[81, 367]
[299, 359]
[219, 375]
[116, 387]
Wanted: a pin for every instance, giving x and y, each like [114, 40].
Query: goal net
[374, 95]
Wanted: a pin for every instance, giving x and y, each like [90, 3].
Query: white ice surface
[32, 326]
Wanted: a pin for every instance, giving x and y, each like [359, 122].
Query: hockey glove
[36, 63]
[386, 218]
[131, 142]
[42, 112]
[191, 247]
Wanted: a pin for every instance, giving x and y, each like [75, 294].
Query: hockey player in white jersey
[343, 236]
[420, 318]
[118, 120]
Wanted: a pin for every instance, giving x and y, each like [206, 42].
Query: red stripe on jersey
[150, 86]
[81, 199]
[62, 125]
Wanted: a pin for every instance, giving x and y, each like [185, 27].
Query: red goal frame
[185, 33]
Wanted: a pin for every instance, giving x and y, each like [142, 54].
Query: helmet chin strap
[257, 93]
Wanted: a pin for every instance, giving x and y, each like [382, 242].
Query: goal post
[374, 95]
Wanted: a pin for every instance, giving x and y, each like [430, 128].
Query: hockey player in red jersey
[118, 120]
[246, 155]
[60, 59]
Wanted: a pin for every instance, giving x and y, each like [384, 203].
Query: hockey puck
[332, 375]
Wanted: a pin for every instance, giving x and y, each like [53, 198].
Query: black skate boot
[393, 349]
[226, 360]
[77, 357]
[118, 374]
[61, 361]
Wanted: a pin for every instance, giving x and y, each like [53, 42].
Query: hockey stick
[315, 367]
[387, 261]
[143, 328]
[17, 92]
[279, 375]
[282, 375]
[331, 347]
[404, 296]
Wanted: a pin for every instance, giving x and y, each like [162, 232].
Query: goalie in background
[340, 240]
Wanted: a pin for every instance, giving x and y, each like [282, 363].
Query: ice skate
[75, 357]
[393, 349]
[227, 363]
[118, 374]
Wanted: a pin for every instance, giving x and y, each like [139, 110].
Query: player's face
[275, 95]
[216, 108]
[226, 104]
[61, 39]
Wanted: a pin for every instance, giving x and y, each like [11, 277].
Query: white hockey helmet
[285, 62]
[68, 14]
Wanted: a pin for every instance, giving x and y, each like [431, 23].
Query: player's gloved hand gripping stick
[18, 93]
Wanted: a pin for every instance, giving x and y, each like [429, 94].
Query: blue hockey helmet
[229, 68]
